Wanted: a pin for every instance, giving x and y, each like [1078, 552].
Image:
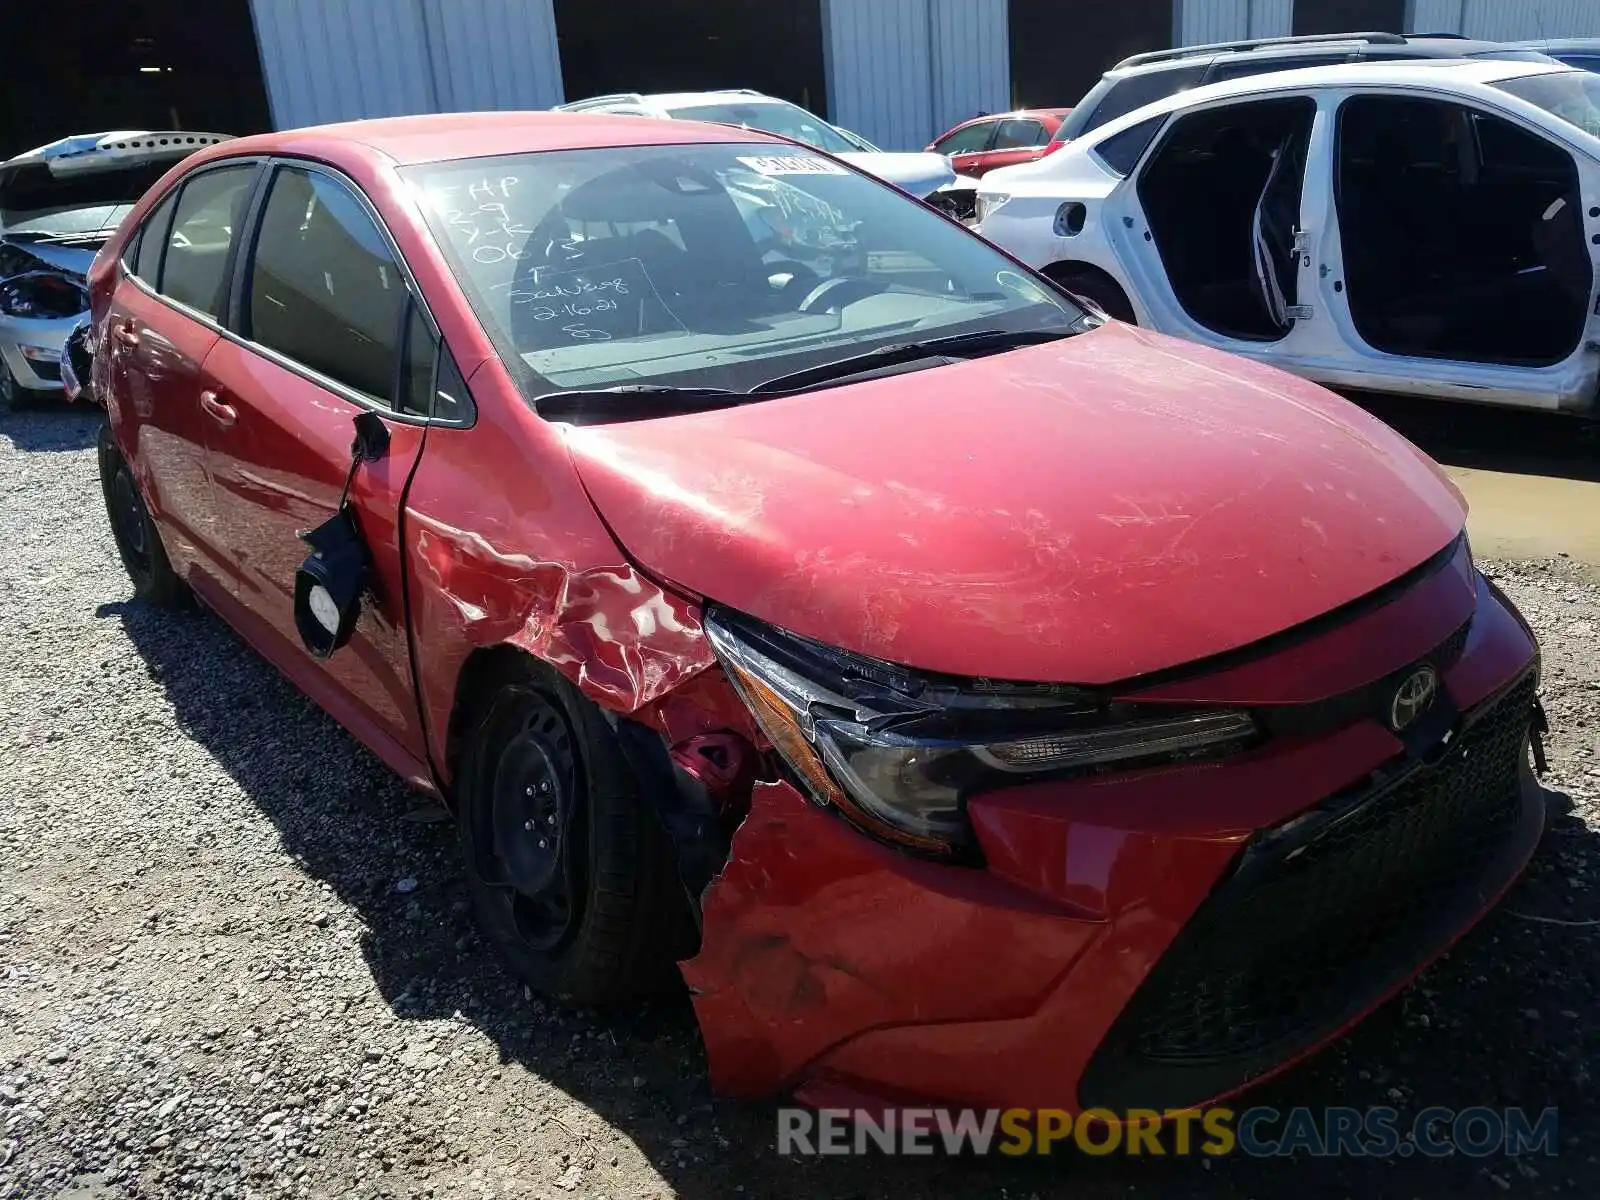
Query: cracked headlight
[898, 752]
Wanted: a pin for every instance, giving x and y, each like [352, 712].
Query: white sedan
[1422, 227]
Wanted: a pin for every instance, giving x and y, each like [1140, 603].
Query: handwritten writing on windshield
[479, 221]
[589, 303]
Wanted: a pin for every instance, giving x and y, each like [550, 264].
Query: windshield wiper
[955, 347]
[632, 402]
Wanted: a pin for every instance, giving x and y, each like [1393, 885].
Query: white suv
[921, 174]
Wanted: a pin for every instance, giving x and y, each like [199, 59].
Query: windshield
[1574, 96]
[44, 203]
[771, 116]
[709, 265]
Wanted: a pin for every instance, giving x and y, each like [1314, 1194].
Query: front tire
[138, 540]
[1098, 288]
[571, 878]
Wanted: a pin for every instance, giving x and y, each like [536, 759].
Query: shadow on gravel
[1486, 438]
[1509, 1018]
[52, 427]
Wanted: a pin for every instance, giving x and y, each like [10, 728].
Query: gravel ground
[236, 957]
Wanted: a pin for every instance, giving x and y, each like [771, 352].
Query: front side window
[969, 140]
[196, 260]
[708, 265]
[1017, 135]
[324, 288]
[771, 116]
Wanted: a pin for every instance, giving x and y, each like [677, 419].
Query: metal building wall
[336, 60]
[1201, 21]
[901, 71]
[1509, 20]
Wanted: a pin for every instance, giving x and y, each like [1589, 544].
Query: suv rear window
[1135, 91]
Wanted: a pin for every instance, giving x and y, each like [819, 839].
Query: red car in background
[975, 699]
[1000, 139]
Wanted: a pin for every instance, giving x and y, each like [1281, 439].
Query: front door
[1019, 140]
[162, 324]
[965, 147]
[329, 329]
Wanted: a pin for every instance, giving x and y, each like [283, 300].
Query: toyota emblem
[1413, 697]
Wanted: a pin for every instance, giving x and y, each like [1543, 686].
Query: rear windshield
[1574, 96]
[785, 120]
[709, 265]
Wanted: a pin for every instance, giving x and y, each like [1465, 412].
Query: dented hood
[1085, 511]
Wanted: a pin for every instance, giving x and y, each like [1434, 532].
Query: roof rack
[1308, 39]
[736, 92]
[592, 101]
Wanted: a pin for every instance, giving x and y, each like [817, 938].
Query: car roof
[1558, 45]
[1419, 46]
[439, 137]
[706, 99]
[1364, 73]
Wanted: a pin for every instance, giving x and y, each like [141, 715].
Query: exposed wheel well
[1094, 283]
[482, 668]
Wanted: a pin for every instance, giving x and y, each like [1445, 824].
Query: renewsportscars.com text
[1259, 1132]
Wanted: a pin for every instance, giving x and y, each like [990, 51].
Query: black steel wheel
[528, 840]
[135, 533]
[572, 877]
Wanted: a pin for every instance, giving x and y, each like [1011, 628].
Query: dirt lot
[235, 957]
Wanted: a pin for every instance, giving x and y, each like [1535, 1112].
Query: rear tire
[1096, 287]
[138, 540]
[571, 877]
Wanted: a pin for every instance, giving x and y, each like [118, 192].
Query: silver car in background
[58, 205]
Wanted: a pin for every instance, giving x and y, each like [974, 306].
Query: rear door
[328, 326]
[164, 320]
[1018, 140]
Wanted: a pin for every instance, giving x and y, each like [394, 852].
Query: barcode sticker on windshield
[792, 164]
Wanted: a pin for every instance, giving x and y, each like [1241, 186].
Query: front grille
[1321, 917]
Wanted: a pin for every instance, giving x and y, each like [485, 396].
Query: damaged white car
[58, 205]
[1418, 227]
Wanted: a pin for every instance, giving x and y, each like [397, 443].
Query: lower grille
[1320, 918]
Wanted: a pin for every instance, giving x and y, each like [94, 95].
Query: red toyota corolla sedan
[979, 700]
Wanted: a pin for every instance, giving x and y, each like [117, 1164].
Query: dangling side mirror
[329, 583]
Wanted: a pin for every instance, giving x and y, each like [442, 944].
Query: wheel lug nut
[528, 825]
[544, 785]
[529, 791]
[542, 843]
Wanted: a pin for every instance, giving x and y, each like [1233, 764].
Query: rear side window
[147, 260]
[966, 141]
[1135, 91]
[324, 288]
[1015, 135]
[209, 209]
[1121, 151]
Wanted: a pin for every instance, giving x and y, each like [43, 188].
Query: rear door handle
[125, 335]
[223, 414]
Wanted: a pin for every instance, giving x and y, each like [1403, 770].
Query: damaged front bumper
[1154, 939]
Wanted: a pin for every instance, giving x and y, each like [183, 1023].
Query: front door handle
[223, 414]
[125, 335]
